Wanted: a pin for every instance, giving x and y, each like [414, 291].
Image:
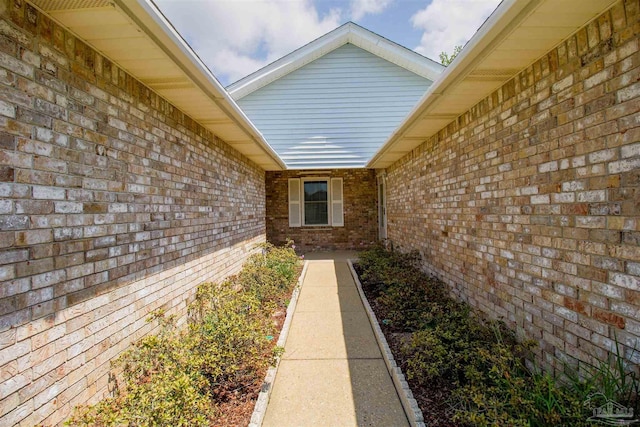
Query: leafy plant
[178, 376]
[161, 385]
[267, 274]
[446, 59]
[230, 339]
[608, 380]
[482, 360]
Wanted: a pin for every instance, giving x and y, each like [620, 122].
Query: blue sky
[237, 37]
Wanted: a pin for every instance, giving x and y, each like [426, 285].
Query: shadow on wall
[74, 346]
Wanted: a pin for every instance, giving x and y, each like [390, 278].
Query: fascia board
[500, 20]
[149, 19]
[506, 19]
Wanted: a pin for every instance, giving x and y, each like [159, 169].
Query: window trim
[337, 220]
[294, 205]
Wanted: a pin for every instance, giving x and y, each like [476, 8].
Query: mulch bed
[235, 408]
[433, 400]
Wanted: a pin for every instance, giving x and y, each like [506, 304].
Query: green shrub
[379, 269]
[162, 385]
[178, 376]
[500, 391]
[405, 305]
[449, 349]
[408, 297]
[266, 275]
[229, 339]
[482, 360]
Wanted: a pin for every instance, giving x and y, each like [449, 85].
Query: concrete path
[332, 372]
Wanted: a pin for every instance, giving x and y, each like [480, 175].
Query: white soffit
[517, 34]
[135, 35]
[347, 33]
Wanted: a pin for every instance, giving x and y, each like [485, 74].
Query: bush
[230, 337]
[500, 391]
[162, 385]
[448, 349]
[268, 274]
[380, 269]
[481, 361]
[179, 376]
[408, 297]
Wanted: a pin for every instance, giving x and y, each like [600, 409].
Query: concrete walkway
[332, 372]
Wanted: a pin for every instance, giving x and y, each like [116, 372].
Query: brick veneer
[528, 205]
[360, 214]
[113, 204]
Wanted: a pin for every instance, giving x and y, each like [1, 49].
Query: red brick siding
[113, 204]
[528, 205]
[360, 212]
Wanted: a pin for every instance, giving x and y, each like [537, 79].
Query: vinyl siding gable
[336, 111]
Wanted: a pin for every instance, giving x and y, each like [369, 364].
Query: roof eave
[157, 27]
[216, 110]
[427, 118]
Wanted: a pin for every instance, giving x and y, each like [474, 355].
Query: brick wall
[528, 205]
[360, 212]
[113, 204]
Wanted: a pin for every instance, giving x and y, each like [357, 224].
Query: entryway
[382, 207]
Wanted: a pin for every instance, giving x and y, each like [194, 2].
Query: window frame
[327, 180]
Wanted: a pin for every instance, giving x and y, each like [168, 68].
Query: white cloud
[237, 37]
[360, 8]
[447, 23]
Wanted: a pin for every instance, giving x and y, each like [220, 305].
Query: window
[315, 201]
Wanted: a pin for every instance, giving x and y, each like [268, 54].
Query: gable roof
[517, 34]
[136, 36]
[347, 33]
